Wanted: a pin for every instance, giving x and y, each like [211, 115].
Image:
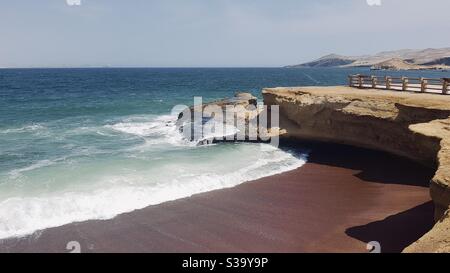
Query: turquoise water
[79, 144]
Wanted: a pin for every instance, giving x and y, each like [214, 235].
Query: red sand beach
[341, 199]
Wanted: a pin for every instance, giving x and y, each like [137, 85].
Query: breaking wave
[160, 167]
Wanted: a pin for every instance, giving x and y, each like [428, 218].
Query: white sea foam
[24, 129]
[39, 164]
[158, 125]
[156, 130]
[163, 130]
[23, 215]
[107, 188]
[218, 131]
[77, 152]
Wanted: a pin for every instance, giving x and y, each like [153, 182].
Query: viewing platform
[422, 85]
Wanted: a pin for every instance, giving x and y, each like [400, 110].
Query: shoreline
[342, 198]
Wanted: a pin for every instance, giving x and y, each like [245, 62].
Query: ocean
[80, 144]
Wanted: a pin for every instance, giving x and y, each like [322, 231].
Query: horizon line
[112, 67]
[157, 67]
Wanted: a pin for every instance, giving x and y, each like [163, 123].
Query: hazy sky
[212, 32]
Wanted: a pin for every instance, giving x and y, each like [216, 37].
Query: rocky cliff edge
[412, 125]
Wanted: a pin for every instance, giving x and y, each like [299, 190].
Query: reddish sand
[340, 200]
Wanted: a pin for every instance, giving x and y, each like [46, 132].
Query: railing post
[374, 82]
[388, 82]
[445, 85]
[423, 85]
[360, 81]
[405, 83]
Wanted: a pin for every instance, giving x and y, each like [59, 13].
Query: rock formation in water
[416, 126]
[230, 119]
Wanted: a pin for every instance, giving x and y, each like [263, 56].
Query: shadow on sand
[398, 231]
[395, 232]
[373, 166]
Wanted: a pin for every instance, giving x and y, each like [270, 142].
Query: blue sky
[205, 33]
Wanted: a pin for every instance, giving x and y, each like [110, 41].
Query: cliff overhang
[412, 125]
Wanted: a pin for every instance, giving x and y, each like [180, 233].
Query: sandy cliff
[400, 59]
[399, 64]
[416, 126]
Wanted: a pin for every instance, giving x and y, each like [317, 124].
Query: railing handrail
[425, 85]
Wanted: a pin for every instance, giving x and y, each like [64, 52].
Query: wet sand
[341, 199]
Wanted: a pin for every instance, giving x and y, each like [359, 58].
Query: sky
[212, 33]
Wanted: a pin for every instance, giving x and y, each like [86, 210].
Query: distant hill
[400, 59]
[331, 60]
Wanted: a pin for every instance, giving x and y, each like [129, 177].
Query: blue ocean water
[79, 144]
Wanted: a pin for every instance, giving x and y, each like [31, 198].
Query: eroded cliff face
[416, 126]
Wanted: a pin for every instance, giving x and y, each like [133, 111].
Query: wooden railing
[423, 85]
